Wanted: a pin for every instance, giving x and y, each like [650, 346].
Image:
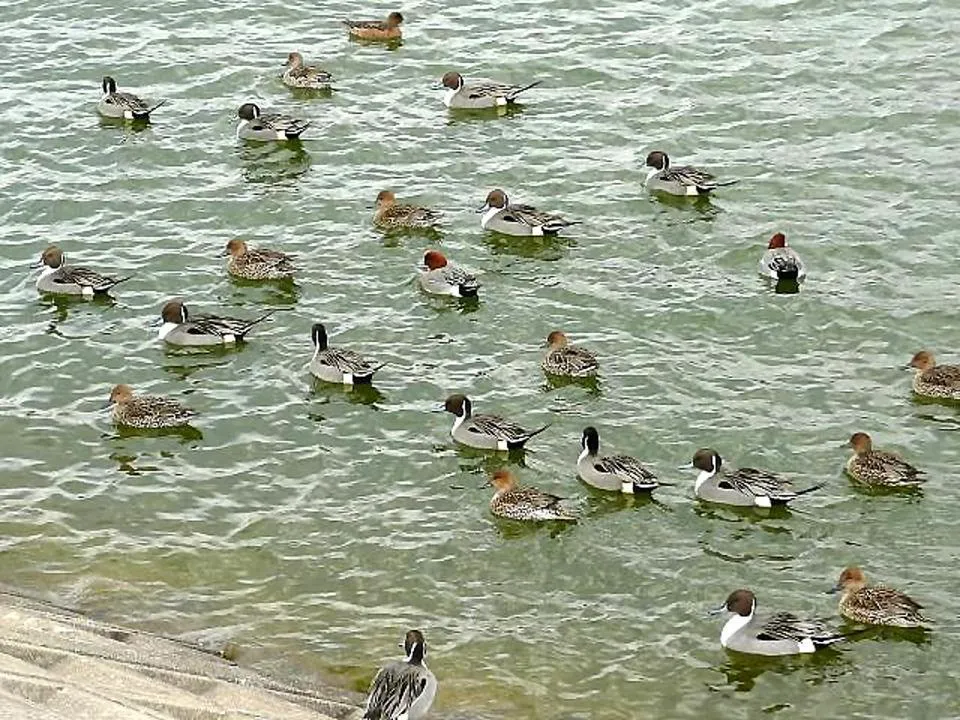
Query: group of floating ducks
[406, 688]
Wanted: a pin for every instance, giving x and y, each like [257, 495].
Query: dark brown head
[707, 460]
[497, 199]
[923, 360]
[394, 19]
[741, 602]
[434, 260]
[779, 240]
[458, 405]
[861, 443]
[414, 646]
[174, 312]
[452, 80]
[52, 257]
[658, 160]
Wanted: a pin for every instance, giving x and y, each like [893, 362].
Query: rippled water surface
[312, 525]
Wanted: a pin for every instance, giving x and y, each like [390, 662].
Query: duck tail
[523, 89]
[159, 104]
[534, 433]
[810, 489]
[261, 318]
[117, 281]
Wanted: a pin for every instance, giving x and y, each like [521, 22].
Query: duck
[782, 634]
[338, 365]
[743, 487]
[876, 604]
[932, 380]
[178, 327]
[684, 180]
[878, 468]
[299, 76]
[516, 503]
[439, 276]
[616, 473]
[151, 412]
[563, 359]
[267, 126]
[403, 689]
[388, 29]
[123, 105]
[499, 215]
[460, 96]
[257, 263]
[58, 278]
[389, 215]
[485, 432]
[780, 262]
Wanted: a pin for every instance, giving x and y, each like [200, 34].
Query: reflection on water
[742, 670]
[362, 394]
[462, 115]
[539, 247]
[271, 162]
[186, 433]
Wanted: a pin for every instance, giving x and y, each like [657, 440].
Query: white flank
[128, 114]
[626, 487]
[692, 190]
[228, 338]
[86, 290]
[536, 230]
[502, 445]
[763, 501]
[501, 100]
[348, 378]
[734, 625]
[806, 646]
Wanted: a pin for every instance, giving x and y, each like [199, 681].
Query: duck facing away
[485, 432]
[616, 473]
[267, 126]
[58, 278]
[743, 487]
[257, 263]
[683, 180]
[780, 262]
[500, 215]
[178, 327]
[388, 29]
[878, 468]
[516, 503]
[338, 365]
[563, 359]
[876, 604]
[932, 380]
[782, 634]
[479, 96]
[149, 412]
[403, 689]
[389, 215]
[123, 105]
[439, 276]
[299, 76]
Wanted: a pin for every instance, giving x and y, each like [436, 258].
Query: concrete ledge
[56, 664]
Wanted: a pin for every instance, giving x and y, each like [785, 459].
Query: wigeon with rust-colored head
[378, 30]
[439, 276]
[780, 262]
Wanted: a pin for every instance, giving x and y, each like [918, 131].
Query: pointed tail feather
[514, 94]
[534, 433]
[810, 489]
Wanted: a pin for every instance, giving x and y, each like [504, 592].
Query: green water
[313, 525]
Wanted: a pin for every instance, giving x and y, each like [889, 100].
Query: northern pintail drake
[123, 105]
[876, 604]
[780, 262]
[486, 432]
[744, 487]
[782, 634]
[439, 276]
[563, 359]
[257, 125]
[388, 29]
[390, 215]
[516, 503]
[59, 278]
[932, 380]
[338, 365]
[616, 473]
[683, 180]
[257, 263]
[460, 96]
[499, 215]
[878, 468]
[403, 689]
[304, 77]
[151, 412]
[180, 328]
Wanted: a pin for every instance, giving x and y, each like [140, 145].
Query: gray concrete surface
[56, 664]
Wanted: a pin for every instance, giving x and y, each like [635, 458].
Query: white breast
[488, 216]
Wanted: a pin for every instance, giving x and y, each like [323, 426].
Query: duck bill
[685, 466]
[107, 405]
[717, 610]
[156, 322]
[834, 590]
